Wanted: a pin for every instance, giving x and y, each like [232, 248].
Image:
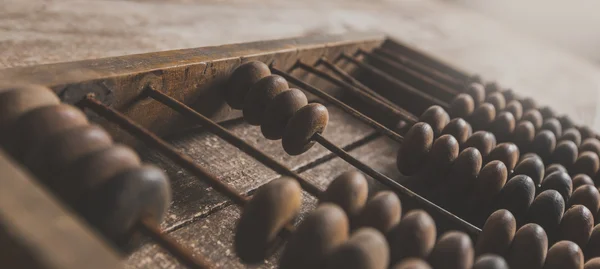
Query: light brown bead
[413, 237]
[382, 212]
[508, 153]
[304, 124]
[565, 153]
[476, 91]
[552, 125]
[436, 117]
[588, 196]
[18, 100]
[587, 163]
[490, 181]
[279, 111]
[571, 134]
[260, 95]
[559, 181]
[544, 144]
[366, 249]
[529, 248]
[516, 196]
[576, 225]
[490, 261]
[497, 100]
[460, 129]
[483, 116]
[497, 234]
[564, 255]
[349, 191]
[547, 210]
[412, 263]
[503, 126]
[462, 106]
[453, 250]
[415, 148]
[592, 264]
[533, 116]
[515, 108]
[482, 141]
[532, 167]
[240, 81]
[524, 134]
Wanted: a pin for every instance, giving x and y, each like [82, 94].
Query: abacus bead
[460, 129]
[118, 205]
[461, 106]
[436, 117]
[576, 225]
[586, 132]
[588, 196]
[507, 153]
[509, 95]
[497, 100]
[349, 191]
[242, 78]
[272, 207]
[490, 181]
[492, 87]
[531, 167]
[552, 125]
[483, 116]
[260, 94]
[466, 168]
[483, 141]
[453, 250]
[476, 91]
[497, 233]
[590, 144]
[414, 236]
[559, 181]
[515, 108]
[412, 263]
[547, 211]
[279, 111]
[524, 134]
[564, 255]
[324, 229]
[382, 212]
[306, 122]
[415, 148]
[587, 163]
[565, 153]
[533, 116]
[490, 261]
[529, 248]
[366, 249]
[582, 179]
[547, 112]
[565, 122]
[475, 79]
[555, 167]
[503, 126]
[572, 134]
[517, 195]
[528, 103]
[592, 264]
[592, 249]
[16, 101]
[544, 144]
[443, 152]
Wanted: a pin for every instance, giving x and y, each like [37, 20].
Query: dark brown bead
[462, 106]
[592, 264]
[571, 134]
[483, 141]
[547, 210]
[382, 212]
[273, 206]
[240, 81]
[497, 234]
[306, 122]
[555, 167]
[524, 134]
[564, 255]
[528, 103]
[586, 132]
[443, 153]
[412, 263]
[466, 168]
[552, 125]
[490, 261]
[16, 101]
[529, 248]
[592, 249]
[529, 155]
[565, 122]
[475, 79]
[565, 153]
[576, 225]
[483, 116]
[415, 148]
[349, 191]
[517, 195]
[497, 100]
[515, 108]
[587, 163]
[460, 129]
[279, 111]
[413, 237]
[492, 178]
[492, 87]
[509, 95]
[559, 181]
[476, 91]
[544, 144]
[533, 116]
[436, 117]
[323, 230]
[503, 126]
[453, 250]
[260, 94]
[366, 249]
[590, 144]
[547, 112]
[508, 153]
[582, 179]
[588, 196]
[531, 167]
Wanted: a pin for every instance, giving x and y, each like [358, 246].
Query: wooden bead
[564, 255]
[306, 122]
[566, 122]
[497, 234]
[588, 196]
[533, 116]
[529, 248]
[242, 78]
[571, 134]
[517, 195]
[503, 126]
[515, 108]
[565, 153]
[16, 101]
[509, 95]
[492, 178]
[413, 237]
[483, 116]
[366, 249]
[260, 94]
[590, 144]
[490, 261]
[547, 211]
[322, 231]
[443, 153]
[38, 124]
[415, 148]
[555, 167]
[524, 134]
[492, 87]
[560, 182]
[497, 100]
[586, 132]
[412, 263]
[475, 79]
[576, 225]
[272, 207]
[529, 155]
[547, 112]
[117, 206]
[460, 129]
[279, 111]
[453, 250]
[61, 150]
[476, 91]
[587, 163]
[508, 153]
[349, 191]
[552, 125]
[544, 144]
[436, 117]
[483, 141]
[592, 264]
[528, 104]
[582, 179]
[382, 212]
[531, 167]
[462, 106]
[592, 249]
[465, 170]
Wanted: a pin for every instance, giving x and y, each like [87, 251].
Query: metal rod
[183, 255]
[319, 93]
[226, 135]
[470, 228]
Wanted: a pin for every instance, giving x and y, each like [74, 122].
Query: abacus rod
[182, 254]
[319, 93]
[370, 99]
[398, 83]
[228, 136]
[473, 230]
[165, 148]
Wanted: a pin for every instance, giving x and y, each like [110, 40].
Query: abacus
[418, 164]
